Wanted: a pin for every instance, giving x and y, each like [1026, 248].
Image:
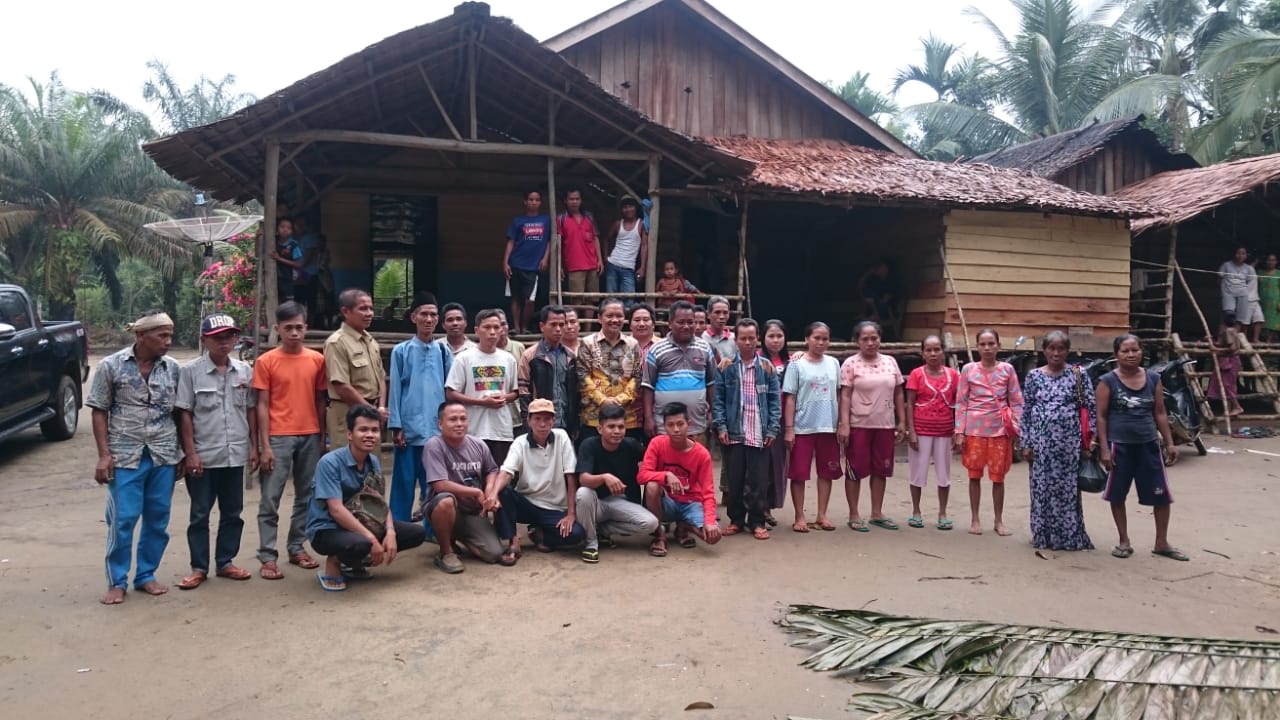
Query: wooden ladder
[1193, 381]
[1148, 321]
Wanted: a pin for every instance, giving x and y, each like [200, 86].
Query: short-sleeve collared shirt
[354, 358]
[219, 404]
[139, 410]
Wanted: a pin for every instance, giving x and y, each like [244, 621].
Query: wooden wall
[673, 67]
[1122, 162]
[1025, 273]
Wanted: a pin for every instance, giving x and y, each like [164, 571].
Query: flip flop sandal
[915, 521]
[760, 533]
[304, 561]
[193, 581]
[231, 572]
[591, 555]
[858, 526]
[800, 527]
[328, 583]
[356, 573]
[1172, 554]
[656, 551]
[945, 524]
[731, 530]
[687, 542]
[828, 527]
[508, 558]
[884, 522]
[1122, 551]
[270, 571]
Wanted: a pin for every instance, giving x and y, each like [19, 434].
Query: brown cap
[542, 405]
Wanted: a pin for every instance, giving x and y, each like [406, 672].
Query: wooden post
[1208, 334]
[1168, 291]
[266, 262]
[556, 250]
[742, 256]
[946, 269]
[651, 261]
[471, 89]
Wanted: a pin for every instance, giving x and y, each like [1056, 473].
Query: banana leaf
[970, 669]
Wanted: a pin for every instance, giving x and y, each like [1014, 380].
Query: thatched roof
[1049, 156]
[1183, 194]
[839, 169]
[384, 88]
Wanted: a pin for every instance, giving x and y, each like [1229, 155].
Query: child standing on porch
[931, 418]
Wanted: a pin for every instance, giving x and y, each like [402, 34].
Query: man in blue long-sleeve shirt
[419, 367]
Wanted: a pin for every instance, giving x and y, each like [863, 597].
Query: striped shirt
[753, 433]
[678, 373]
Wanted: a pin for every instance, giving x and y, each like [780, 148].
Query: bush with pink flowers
[234, 280]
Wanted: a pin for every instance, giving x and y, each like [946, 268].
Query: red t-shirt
[934, 409]
[579, 241]
[692, 467]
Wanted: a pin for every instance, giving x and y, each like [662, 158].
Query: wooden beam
[556, 251]
[294, 153]
[453, 129]
[472, 60]
[534, 80]
[651, 260]
[267, 294]
[622, 184]
[360, 137]
[322, 192]
[742, 255]
[330, 99]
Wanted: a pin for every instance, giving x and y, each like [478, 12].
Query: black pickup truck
[43, 367]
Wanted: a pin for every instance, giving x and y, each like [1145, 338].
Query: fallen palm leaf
[979, 669]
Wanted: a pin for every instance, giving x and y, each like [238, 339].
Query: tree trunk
[62, 309]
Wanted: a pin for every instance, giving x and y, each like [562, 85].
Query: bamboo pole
[453, 129]
[471, 89]
[267, 285]
[556, 250]
[1206, 410]
[964, 326]
[742, 254]
[361, 137]
[1208, 333]
[1168, 291]
[651, 260]
[1260, 370]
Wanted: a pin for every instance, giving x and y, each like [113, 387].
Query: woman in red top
[931, 420]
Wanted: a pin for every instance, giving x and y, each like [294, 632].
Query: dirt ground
[633, 637]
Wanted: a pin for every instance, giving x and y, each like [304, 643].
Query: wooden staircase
[1262, 377]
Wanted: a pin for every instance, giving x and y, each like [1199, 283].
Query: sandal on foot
[760, 533]
[1172, 554]
[1122, 551]
[231, 572]
[732, 530]
[193, 581]
[658, 548]
[687, 542]
[329, 583]
[509, 557]
[771, 521]
[915, 521]
[304, 561]
[591, 555]
[800, 527]
[823, 525]
[858, 526]
[945, 524]
[884, 522]
[270, 571]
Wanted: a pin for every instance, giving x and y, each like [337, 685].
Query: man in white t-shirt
[544, 495]
[484, 379]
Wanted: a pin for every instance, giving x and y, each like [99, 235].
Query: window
[13, 311]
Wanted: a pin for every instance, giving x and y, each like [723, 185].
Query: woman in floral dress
[1052, 443]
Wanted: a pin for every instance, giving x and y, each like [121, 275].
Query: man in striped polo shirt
[680, 368]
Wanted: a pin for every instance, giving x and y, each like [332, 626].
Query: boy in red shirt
[676, 474]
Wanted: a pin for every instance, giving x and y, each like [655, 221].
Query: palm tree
[202, 103]
[76, 189]
[936, 72]
[1244, 65]
[964, 80]
[859, 95]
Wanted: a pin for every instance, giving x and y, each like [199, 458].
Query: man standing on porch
[583, 261]
[525, 260]
[353, 362]
[626, 261]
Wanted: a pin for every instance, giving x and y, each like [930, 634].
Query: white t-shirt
[478, 374]
[542, 469]
[816, 387]
[627, 248]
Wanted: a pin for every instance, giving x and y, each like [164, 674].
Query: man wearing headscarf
[132, 397]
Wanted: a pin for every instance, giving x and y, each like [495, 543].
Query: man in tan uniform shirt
[353, 362]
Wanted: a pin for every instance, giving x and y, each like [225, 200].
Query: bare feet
[975, 528]
[1003, 531]
[114, 596]
[154, 588]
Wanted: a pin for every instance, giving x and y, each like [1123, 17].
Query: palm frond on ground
[966, 669]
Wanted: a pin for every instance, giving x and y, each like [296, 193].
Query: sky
[270, 44]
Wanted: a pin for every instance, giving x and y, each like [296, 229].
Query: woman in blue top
[1132, 426]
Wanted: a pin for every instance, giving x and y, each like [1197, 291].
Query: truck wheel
[63, 425]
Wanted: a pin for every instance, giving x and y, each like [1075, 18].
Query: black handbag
[1091, 477]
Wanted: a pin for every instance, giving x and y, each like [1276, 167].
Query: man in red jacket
[676, 474]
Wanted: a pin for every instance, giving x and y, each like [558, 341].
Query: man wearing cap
[353, 362]
[544, 495]
[218, 425]
[419, 368]
[133, 399]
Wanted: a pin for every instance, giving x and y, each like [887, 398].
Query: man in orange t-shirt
[291, 385]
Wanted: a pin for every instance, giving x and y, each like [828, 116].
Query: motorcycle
[1180, 405]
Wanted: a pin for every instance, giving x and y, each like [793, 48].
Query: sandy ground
[633, 637]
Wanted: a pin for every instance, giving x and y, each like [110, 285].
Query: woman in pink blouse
[872, 421]
[988, 410]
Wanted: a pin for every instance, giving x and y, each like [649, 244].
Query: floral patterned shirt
[139, 411]
[982, 396]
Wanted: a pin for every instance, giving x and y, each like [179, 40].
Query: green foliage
[1266, 16]
[861, 97]
[393, 281]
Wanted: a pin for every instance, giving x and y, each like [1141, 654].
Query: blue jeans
[146, 493]
[516, 508]
[620, 280]
[407, 475]
[226, 485]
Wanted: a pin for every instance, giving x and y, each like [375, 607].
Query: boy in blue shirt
[419, 367]
[526, 258]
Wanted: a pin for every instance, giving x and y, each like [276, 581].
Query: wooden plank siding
[1027, 273]
[1123, 161]
[667, 63]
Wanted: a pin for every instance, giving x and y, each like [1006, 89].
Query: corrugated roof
[382, 88]
[1183, 194]
[836, 168]
[1049, 156]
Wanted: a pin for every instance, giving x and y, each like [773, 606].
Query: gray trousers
[296, 455]
[614, 514]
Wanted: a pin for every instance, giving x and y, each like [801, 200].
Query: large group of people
[586, 440]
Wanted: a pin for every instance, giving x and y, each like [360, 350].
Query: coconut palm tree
[1244, 66]
[964, 80]
[76, 191]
